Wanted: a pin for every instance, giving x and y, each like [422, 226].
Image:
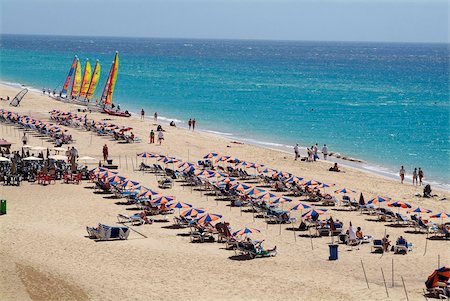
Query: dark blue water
[385, 103]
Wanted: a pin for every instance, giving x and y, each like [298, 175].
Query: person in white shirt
[325, 151]
[160, 137]
[24, 139]
[296, 152]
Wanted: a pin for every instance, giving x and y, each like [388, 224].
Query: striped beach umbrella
[420, 210]
[379, 199]
[210, 155]
[116, 179]
[299, 206]
[146, 155]
[281, 199]
[245, 231]
[399, 204]
[129, 184]
[344, 191]
[441, 215]
[325, 185]
[241, 186]
[254, 191]
[269, 170]
[294, 179]
[98, 169]
[163, 200]
[223, 159]
[209, 217]
[314, 212]
[185, 164]
[179, 205]
[149, 193]
[192, 212]
[268, 195]
[312, 183]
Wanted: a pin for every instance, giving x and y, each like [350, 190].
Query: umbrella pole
[293, 228]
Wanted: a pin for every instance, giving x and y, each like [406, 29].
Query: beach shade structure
[147, 155]
[439, 275]
[149, 193]
[192, 212]
[245, 231]
[312, 183]
[280, 199]
[3, 159]
[185, 165]
[362, 202]
[294, 179]
[440, 215]
[344, 191]
[98, 169]
[107, 174]
[223, 159]
[269, 170]
[116, 179]
[314, 212]
[164, 200]
[379, 199]
[209, 217]
[205, 173]
[399, 204]
[179, 205]
[234, 160]
[420, 210]
[189, 169]
[283, 175]
[210, 155]
[255, 191]
[58, 157]
[299, 206]
[31, 158]
[228, 180]
[241, 186]
[129, 184]
[268, 195]
[324, 185]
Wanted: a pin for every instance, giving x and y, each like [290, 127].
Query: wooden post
[384, 280]
[293, 230]
[310, 237]
[426, 244]
[404, 287]
[439, 261]
[392, 272]
[364, 271]
[132, 164]
[120, 161]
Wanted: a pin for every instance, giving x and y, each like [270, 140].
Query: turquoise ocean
[387, 104]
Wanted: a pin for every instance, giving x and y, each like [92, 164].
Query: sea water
[387, 104]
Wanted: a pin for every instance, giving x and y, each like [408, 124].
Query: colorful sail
[76, 85]
[94, 81]
[111, 81]
[86, 79]
[69, 76]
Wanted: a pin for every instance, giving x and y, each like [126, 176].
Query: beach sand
[45, 254]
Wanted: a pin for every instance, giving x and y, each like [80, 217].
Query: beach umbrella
[3, 159]
[223, 159]
[379, 199]
[420, 210]
[107, 174]
[299, 206]
[98, 169]
[254, 191]
[324, 185]
[179, 205]
[399, 204]
[269, 170]
[146, 155]
[209, 217]
[189, 169]
[240, 186]
[281, 199]
[228, 179]
[116, 179]
[314, 212]
[31, 158]
[441, 215]
[361, 199]
[312, 183]
[185, 165]
[193, 212]
[164, 200]
[439, 275]
[205, 173]
[129, 184]
[210, 155]
[268, 195]
[58, 157]
[149, 193]
[294, 179]
[245, 231]
[233, 160]
[344, 191]
[283, 174]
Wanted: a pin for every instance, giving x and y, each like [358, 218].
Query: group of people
[160, 135]
[312, 152]
[191, 123]
[417, 175]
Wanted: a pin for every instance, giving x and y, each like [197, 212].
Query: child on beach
[152, 136]
[402, 174]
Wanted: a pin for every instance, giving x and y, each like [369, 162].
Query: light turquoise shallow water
[387, 104]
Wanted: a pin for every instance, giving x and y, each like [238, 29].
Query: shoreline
[356, 163]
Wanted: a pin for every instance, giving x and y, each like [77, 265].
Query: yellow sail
[113, 78]
[76, 80]
[94, 81]
[86, 79]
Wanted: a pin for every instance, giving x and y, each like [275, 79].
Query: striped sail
[86, 79]
[69, 76]
[111, 81]
[94, 81]
[76, 85]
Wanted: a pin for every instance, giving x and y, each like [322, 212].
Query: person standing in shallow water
[325, 151]
[193, 124]
[296, 152]
[155, 116]
[142, 114]
[190, 123]
[414, 176]
[402, 174]
[420, 173]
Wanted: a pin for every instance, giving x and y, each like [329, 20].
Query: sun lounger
[377, 246]
[254, 249]
[134, 219]
[105, 232]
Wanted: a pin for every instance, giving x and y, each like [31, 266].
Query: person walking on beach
[414, 176]
[142, 114]
[190, 123]
[24, 139]
[402, 174]
[296, 152]
[160, 137]
[152, 137]
[105, 152]
[325, 151]
[155, 116]
[193, 124]
[420, 173]
[315, 149]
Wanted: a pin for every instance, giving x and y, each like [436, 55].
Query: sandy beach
[45, 254]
